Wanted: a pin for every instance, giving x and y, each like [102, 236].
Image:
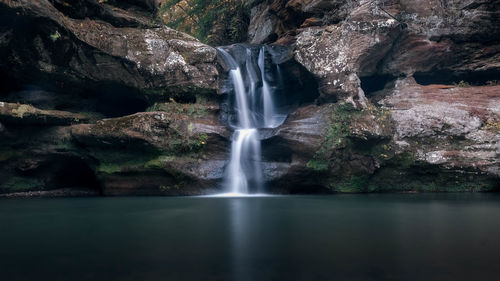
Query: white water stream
[254, 108]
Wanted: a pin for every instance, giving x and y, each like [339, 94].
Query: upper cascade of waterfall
[254, 80]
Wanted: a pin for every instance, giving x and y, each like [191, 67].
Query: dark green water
[343, 237]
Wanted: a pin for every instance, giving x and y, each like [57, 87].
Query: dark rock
[311, 22]
[43, 46]
[262, 28]
[173, 154]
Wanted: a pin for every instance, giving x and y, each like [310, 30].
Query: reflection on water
[347, 237]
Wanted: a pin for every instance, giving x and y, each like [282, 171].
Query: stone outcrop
[156, 152]
[417, 138]
[343, 42]
[65, 67]
[329, 53]
[180, 150]
[456, 127]
[85, 47]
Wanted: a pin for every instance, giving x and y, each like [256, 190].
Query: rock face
[418, 138]
[66, 66]
[344, 42]
[179, 150]
[91, 46]
[407, 89]
[156, 153]
[456, 127]
[97, 97]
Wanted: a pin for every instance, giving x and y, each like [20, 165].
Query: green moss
[54, 36]
[159, 162]
[195, 144]
[404, 160]
[353, 184]
[92, 115]
[336, 136]
[193, 110]
[7, 154]
[109, 168]
[317, 164]
[462, 84]
[115, 161]
[19, 184]
[428, 178]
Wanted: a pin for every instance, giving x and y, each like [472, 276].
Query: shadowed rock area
[101, 98]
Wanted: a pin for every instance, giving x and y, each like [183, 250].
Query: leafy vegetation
[54, 36]
[492, 125]
[462, 84]
[336, 136]
[354, 184]
[216, 22]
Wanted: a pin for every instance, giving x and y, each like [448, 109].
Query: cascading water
[254, 108]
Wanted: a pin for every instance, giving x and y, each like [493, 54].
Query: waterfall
[254, 109]
[266, 92]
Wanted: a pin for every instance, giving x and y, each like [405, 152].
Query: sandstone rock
[118, 13]
[339, 54]
[454, 127]
[172, 153]
[364, 39]
[65, 53]
[289, 147]
[311, 22]
[263, 24]
[314, 6]
[28, 115]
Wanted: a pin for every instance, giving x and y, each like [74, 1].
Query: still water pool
[340, 237]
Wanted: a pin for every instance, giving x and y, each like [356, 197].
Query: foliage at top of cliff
[214, 22]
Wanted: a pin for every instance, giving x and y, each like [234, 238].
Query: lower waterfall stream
[254, 108]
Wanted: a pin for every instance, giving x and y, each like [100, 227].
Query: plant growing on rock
[336, 136]
[212, 21]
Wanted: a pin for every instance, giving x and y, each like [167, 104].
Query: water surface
[342, 237]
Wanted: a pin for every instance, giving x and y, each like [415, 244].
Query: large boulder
[166, 152]
[455, 127]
